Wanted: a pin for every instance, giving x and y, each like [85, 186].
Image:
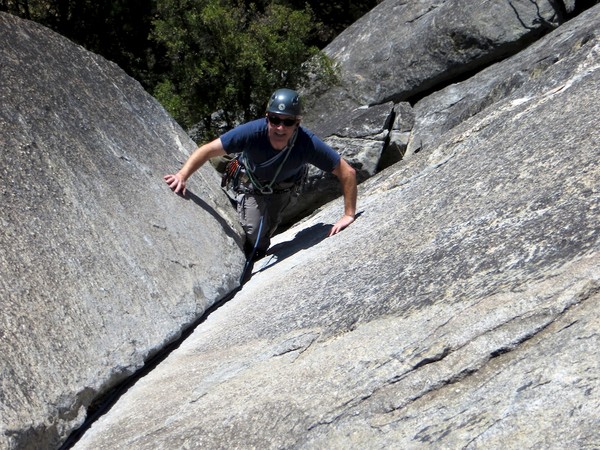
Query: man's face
[281, 127]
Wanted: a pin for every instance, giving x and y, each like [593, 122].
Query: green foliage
[228, 56]
[115, 29]
[337, 15]
[213, 62]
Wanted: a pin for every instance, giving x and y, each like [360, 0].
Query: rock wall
[402, 49]
[460, 310]
[401, 52]
[101, 265]
[448, 107]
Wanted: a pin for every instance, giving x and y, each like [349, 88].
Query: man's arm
[202, 154]
[347, 176]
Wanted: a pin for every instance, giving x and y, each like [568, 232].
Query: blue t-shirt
[252, 138]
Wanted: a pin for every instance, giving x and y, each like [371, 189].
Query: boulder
[448, 107]
[101, 264]
[460, 310]
[400, 49]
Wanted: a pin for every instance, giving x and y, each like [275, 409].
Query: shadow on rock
[302, 240]
[205, 206]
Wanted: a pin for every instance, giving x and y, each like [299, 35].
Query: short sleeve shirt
[252, 138]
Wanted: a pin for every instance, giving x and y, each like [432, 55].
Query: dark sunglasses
[274, 120]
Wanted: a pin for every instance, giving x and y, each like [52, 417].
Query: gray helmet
[285, 101]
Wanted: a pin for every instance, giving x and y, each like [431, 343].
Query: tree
[227, 56]
[204, 59]
[336, 15]
[115, 29]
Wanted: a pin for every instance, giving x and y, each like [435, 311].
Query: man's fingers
[175, 183]
[341, 224]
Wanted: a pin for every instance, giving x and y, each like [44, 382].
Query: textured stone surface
[460, 310]
[442, 110]
[401, 49]
[101, 265]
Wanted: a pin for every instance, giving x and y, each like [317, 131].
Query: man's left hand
[341, 224]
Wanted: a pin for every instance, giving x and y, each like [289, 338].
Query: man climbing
[273, 154]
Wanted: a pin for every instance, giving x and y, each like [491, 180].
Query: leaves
[228, 56]
[213, 62]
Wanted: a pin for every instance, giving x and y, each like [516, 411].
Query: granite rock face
[401, 49]
[448, 107]
[460, 310]
[101, 265]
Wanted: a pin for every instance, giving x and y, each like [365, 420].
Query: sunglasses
[274, 120]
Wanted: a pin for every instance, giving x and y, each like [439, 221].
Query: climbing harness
[231, 174]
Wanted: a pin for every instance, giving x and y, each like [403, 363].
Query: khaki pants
[252, 209]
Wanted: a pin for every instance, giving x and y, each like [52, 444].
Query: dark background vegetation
[211, 63]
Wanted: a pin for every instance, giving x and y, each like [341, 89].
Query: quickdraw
[232, 173]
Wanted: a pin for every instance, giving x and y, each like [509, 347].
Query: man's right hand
[176, 182]
[202, 154]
